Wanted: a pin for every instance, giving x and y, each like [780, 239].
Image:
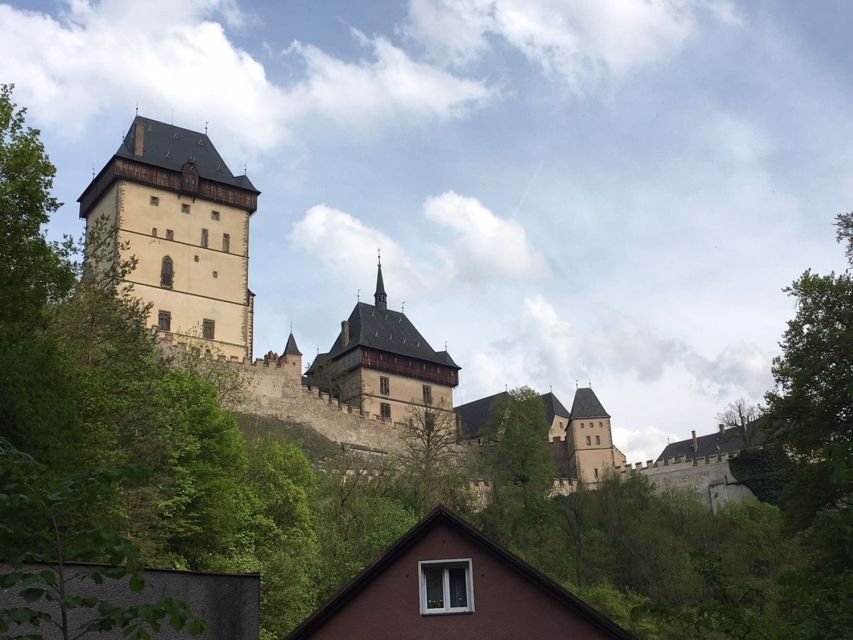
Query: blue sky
[614, 191]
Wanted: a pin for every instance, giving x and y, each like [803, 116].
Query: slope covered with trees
[85, 392]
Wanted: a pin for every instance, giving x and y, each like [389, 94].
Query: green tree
[32, 270]
[811, 406]
[48, 523]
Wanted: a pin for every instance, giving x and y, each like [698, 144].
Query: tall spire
[380, 297]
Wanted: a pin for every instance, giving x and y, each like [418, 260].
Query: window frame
[154, 201]
[427, 393]
[185, 208]
[445, 565]
[382, 407]
[385, 385]
[167, 316]
[597, 439]
[589, 441]
[167, 275]
[205, 238]
[207, 322]
[226, 242]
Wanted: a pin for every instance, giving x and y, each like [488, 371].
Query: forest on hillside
[111, 452]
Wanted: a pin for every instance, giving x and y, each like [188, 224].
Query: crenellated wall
[710, 476]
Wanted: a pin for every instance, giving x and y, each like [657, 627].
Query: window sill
[458, 612]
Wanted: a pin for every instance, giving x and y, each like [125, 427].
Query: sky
[567, 193]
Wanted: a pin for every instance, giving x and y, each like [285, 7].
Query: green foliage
[48, 521]
[33, 271]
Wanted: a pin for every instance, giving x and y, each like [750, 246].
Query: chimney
[344, 333]
[722, 429]
[695, 443]
[139, 139]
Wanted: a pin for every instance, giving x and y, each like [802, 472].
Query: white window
[446, 586]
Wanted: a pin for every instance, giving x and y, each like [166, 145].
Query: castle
[167, 198]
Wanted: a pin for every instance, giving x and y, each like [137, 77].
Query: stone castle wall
[276, 390]
[711, 477]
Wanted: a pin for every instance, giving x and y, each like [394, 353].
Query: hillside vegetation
[84, 389]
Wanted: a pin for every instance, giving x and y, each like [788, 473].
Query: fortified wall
[710, 476]
[274, 388]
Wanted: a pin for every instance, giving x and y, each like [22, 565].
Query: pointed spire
[290, 348]
[380, 297]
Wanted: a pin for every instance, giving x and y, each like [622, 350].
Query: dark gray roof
[317, 364]
[475, 416]
[290, 348]
[170, 147]
[447, 359]
[389, 331]
[708, 445]
[587, 405]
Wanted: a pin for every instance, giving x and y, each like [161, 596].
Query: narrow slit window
[170, 234]
[204, 237]
[167, 273]
[384, 385]
[226, 242]
[154, 231]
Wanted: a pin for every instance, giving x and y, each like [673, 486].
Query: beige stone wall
[209, 282]
[404, 394]
[591, 460]
[275, 391]
[558, 428]
[710, 477]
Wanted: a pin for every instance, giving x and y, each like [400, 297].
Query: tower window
[215, 274]
[170, 235]
[595, 471]
[384, 385]
[385, 411]
[154, 201]
[204, 237]
[226, 242]
[597, 439]
[208, 329]
[154, 231]
[164, 321]
[167, 273]
[588, 441]
[185, 208]
[600, 424]
[427, 394]
[214, 215]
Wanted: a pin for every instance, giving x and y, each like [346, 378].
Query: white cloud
[92, 58]
[486, 246]
[578, 41]
[348, 247]
[480, 247]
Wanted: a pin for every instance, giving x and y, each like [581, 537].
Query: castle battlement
[651, 467]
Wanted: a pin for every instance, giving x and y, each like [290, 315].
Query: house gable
[512, 599]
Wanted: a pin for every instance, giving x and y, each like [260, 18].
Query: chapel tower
[382, 366]
[168, 199]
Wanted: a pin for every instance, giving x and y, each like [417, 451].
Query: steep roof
[708, 445]
[475, 415]
[587, 405]
[443, 516]
[169, 147]
[389, 331]
[290, 349]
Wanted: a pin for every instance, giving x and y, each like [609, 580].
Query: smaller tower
[380, 297]
[291, 359]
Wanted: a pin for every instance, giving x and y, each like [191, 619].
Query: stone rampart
[275, 389]
[710, 476]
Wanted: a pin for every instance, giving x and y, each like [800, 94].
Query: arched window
[166, 273]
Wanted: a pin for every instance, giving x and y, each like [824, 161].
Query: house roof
[389, 331]
[708, 445]
[290, 349]
[441, 515]
[169, 147]
[475, 416]
[587, 405]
